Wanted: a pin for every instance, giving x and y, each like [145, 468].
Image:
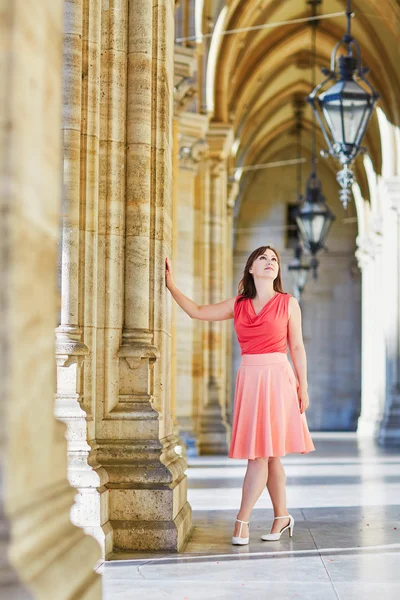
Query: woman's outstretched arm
[297, 351]
[209, 312]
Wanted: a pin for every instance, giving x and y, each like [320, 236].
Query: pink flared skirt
[266, 417]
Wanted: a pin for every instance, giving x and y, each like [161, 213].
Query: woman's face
[266, 266]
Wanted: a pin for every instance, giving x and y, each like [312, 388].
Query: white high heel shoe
[272, 537]
[236, 539]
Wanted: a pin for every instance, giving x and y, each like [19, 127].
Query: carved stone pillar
[192, 127]
[81, 77]
[135, 443]
[184, 92]
[213, 437]
[389, 190]
[52, 557]
[202, 275]
[201, 292]
[233, 188]
[368, 254]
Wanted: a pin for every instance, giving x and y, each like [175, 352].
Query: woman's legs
[253, 486]
[276, 484]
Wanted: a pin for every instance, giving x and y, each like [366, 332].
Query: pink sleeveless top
[265, 332]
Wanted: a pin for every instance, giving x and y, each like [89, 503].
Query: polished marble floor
[345, 499]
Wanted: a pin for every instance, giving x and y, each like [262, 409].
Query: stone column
[81, 114]
[192, 127]
[147, 504]
[184, 91]
[389, 191]
[52, 557]
[233, 188]
[200, 295]
[369, 251]
[213, 437]
[203, 279]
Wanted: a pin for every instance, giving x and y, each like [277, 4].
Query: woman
[269, 418]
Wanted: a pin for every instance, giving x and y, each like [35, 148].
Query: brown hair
[246, 287]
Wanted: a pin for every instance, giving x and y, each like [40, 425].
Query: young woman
[269, 418]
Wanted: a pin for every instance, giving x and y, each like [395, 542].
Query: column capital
[368, 246]
[69, 347]
[191, 136]
[185, 66]
[390, 190]
[220, 137]
[193, 124]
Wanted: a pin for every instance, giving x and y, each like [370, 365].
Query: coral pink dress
[266, 418]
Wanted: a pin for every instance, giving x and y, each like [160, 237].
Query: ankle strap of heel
[241, 525]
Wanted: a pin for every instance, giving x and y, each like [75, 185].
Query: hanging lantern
[299, 271]
[344, 110]
[313, 217]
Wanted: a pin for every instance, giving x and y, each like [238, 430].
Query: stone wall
[331, 305]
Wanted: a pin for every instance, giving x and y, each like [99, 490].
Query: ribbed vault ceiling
[260, 73]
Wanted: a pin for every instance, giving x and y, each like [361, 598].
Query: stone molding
[220, 138]
[192, 142]
[390, 186]
[185, 87]
[69, 347]
[368, 246]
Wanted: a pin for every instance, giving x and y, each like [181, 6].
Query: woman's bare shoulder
[294, 306]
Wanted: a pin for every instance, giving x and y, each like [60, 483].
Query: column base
[150, 536]
[146, 496]
[214, 431]
[10, 585]
[187, 437]
[389, 430]
[368, 427]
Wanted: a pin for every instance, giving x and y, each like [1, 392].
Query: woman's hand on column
[168, 274]
[209, 312]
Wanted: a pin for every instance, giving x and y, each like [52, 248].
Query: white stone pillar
[389, 191]
[53, 558]
[369, 256]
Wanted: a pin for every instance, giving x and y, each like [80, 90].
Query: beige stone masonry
[230, 289]
[192, 147]
[114, 341]
[185, 65]
[214, 431]
[80, 235]
[147, 504]
[53, 558]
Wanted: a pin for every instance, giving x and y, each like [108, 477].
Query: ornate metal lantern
[344, 110]
[314, 218]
